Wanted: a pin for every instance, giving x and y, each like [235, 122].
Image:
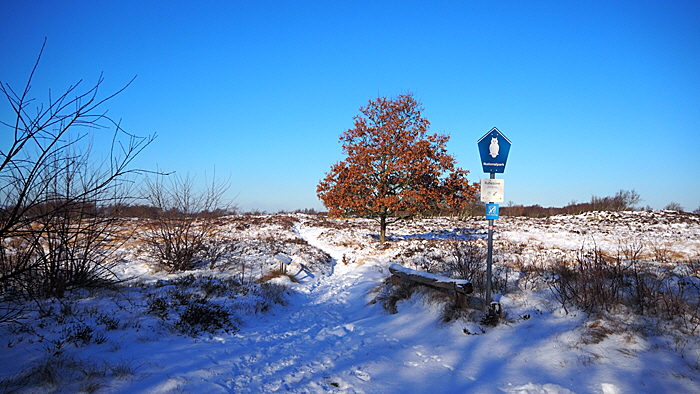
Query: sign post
[493, 149]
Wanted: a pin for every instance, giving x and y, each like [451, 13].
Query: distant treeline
[90, 209]
[623, 200]
[147, 211]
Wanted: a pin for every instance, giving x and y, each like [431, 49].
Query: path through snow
[316, 344]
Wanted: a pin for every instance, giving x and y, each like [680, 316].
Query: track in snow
[315, 344]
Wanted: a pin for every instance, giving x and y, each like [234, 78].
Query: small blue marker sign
[491, 211]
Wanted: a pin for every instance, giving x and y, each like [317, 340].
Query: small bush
[674, 206]
[65, 374]
[452, 311]
[157, 306]
[212, 287]
[467, 260]
[389, 294]
[79, 334]
[593, 283]
[203, 317]
[184, 231]
[184, 297]
[271, 294]
[110, 323]
[598, 284]
[192, 301]
[276, 273]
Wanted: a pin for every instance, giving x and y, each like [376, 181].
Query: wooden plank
[459, 285]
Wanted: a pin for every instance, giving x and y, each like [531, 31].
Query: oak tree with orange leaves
[394, 169]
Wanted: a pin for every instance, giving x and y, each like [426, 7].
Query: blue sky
[596, 96]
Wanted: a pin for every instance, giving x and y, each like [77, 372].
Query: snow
[329, 337]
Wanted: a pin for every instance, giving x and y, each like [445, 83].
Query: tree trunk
[382, 229]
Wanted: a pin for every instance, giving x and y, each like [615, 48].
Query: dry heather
[639, 263]
[244, 245]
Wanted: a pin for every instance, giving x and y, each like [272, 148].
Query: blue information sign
[491, 211]
[494, 148]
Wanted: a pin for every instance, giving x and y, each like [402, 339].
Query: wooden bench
[461, 287]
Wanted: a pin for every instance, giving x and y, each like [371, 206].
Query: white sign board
[492, 190]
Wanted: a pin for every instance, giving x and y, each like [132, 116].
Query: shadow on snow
[455, 234]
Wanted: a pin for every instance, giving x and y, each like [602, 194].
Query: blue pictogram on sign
[491, 211]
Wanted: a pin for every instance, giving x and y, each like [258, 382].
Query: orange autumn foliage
[394, 168]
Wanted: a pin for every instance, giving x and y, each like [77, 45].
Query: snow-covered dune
[326, 334]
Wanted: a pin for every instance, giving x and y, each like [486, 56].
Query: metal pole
[489, 257]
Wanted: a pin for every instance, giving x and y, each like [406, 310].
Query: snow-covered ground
[326, 334]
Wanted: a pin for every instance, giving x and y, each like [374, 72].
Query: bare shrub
[672, 298]
[641, 280]
[203, 317]
[674, 206]
[58, 372]
[53, 234]
[631, 249]
[593, 283]
[467, 260]
[182, 234]
[624, 200]
[158, 306]
[201, 304]
[390, 294]
[661, 252]
[597, 283]
[73, 249]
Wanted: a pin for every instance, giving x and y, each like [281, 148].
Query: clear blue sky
[596, 96]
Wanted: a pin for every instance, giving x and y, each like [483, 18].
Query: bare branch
[51, 189]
